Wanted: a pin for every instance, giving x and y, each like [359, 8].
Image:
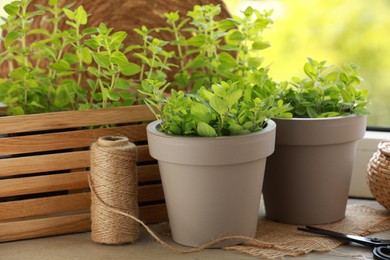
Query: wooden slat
[66, 140]
[143, 154]
[65, 203]
[46, 183]
[55, 162]
[150, 193]
[16, 230]
[148, 173]
[74, 119]
[3, 110]
[64, 181]
[44, 163]
[69, 181]
[45, 206]
[153, 213]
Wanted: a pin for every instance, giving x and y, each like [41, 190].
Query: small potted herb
[212, 142]
[307, 178]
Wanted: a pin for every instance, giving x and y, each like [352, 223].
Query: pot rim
[320, 131]
[152, 128]
[317, 119]
[211, 150]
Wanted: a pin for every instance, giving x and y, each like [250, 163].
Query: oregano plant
[326, 91]
[79, 67]
[223, 89]
[226, 108]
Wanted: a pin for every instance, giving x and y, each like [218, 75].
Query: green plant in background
[230, 90]
[327, 91]
[50, 74]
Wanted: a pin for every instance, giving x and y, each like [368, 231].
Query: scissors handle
[367, 241]
[381, 253]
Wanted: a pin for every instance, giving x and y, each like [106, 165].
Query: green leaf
[61, 97]
[260, 45]
[11, 37]
[86, 55]
[102, 60]
[92, 43]
[38, 31]
[11, 9]
[119, 58]
[119, 37]
[53, 2]
[226, 24]
[197, 40]
[18, 73]
[206, 130]
[236, 36]
[93, 71]
[219, 91]
[80, 15]
[18, 110]
[311, 112]
[248, 11]
[130, 69]
[227, 60]
[112, 95]
[142, 57]
[260, 23]
[219, 105]
[172, 16]
[71, 58]
[122, 84]
[234, 97]
[201, 112]
[60, 65]
[69, 14]
[310, 71]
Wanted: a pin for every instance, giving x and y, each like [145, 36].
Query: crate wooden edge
[73, 119]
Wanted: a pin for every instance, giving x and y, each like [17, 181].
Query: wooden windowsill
[80, 246]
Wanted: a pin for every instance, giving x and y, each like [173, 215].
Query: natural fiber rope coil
[113, 182]
[378, 174]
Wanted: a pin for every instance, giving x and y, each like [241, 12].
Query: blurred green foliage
[339, 31]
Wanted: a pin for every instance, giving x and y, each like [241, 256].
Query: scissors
[381, 248]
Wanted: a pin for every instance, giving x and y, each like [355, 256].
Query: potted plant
[212, 142]
[307, 178]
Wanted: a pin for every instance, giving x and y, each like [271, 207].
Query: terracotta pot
[212, 186]
[307, 178]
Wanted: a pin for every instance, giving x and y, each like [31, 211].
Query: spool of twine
[113, 183]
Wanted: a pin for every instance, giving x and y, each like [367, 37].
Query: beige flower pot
[307, 178]
[212, 186]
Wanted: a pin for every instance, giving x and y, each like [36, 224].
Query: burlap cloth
[278, 240]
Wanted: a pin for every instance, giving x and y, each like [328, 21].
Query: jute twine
[113, 182]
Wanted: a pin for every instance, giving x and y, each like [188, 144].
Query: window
[339, 31]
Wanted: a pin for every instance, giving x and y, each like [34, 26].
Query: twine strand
[175, 249]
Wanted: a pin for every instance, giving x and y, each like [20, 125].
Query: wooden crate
[44, 162]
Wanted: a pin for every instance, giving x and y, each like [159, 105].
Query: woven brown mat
[279, 240]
